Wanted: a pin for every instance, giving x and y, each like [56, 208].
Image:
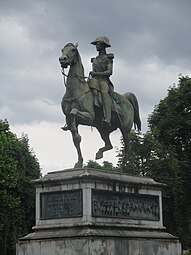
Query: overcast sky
[151, 41]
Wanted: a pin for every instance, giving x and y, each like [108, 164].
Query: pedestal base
[88, 241]
[94, 212]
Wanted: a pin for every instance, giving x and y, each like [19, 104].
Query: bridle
[82, 79]
[70, 57]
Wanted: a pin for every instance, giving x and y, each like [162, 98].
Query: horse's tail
[133, 100]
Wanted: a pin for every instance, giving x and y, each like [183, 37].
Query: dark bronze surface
[93, 102]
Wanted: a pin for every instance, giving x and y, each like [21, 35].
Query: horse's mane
[77, 55]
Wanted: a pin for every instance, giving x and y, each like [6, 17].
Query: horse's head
[69, 54]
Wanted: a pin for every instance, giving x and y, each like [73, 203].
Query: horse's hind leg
[108, 146]
[125, 134]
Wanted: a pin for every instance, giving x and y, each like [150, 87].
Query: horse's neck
[76, 72]
[75, 80]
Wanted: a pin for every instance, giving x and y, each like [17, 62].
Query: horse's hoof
[78, 165]
[99, 155]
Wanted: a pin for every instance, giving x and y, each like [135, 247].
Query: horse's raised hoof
[74, 111]
[99, 155]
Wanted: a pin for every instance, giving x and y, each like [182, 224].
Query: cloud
[54, 148]
[150, 41]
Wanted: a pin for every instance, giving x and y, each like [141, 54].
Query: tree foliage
[18, 165]
[170, 124]
[106, 165]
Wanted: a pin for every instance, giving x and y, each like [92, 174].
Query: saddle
[115, 97]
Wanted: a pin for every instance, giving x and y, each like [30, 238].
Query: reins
[64, 76]
[77, 75]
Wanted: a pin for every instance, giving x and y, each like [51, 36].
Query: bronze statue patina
[93, 102]
[102, 69]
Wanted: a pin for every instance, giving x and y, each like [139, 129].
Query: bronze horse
[82, 106]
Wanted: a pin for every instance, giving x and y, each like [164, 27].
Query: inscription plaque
[62, 204]
[125, 205]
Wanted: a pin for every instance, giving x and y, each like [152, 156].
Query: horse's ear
[76, 45]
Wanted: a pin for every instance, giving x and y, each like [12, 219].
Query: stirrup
[105, 121]
[65, 128]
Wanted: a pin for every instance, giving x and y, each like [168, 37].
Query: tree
[140, 149]
[18, 165]
[132, 166]
[92, 164]
[106, 165]
[170, 124]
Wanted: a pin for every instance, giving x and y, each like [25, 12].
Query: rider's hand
[92, 74]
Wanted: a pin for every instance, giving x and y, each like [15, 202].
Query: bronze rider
[102, 68]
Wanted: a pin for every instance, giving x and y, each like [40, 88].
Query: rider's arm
[109, 70]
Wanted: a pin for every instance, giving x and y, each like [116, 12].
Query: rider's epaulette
[110, 55]
[92, 60]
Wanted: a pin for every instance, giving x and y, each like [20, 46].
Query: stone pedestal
[94, 212]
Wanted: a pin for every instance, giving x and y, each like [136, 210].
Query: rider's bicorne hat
[103, 39]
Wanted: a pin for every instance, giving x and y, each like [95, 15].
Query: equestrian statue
[92, 101]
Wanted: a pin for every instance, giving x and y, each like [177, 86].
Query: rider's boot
[106, 101]
[65, 128]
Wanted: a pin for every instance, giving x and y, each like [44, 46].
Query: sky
[151, 42]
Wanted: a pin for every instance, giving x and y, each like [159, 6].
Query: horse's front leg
[84, 117]
[76, 140]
